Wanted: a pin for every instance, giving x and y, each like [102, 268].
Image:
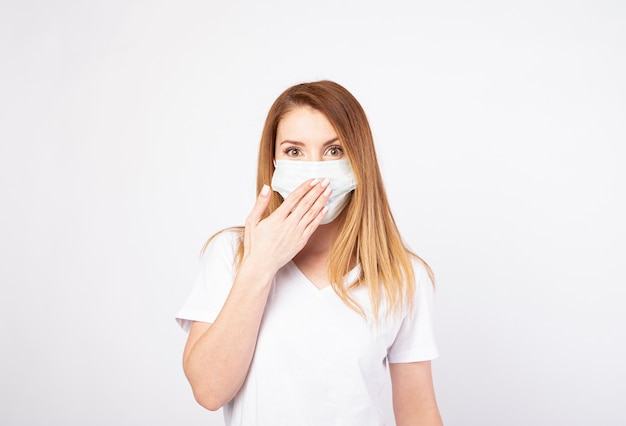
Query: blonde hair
[369, 233]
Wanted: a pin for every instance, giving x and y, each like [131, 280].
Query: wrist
[257, 270]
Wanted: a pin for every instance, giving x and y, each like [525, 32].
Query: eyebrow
[329, 142]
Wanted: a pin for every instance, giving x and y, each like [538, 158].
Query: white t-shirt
[316, 362]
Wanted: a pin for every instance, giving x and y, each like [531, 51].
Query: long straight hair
[369, 233]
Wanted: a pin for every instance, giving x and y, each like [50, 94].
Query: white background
[129, 134]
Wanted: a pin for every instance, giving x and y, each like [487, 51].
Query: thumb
[262, 201]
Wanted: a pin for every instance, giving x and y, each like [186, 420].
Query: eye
[292, 151]
[334, 151]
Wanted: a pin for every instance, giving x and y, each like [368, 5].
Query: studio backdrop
[129, 134]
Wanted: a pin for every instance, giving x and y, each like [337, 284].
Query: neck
[313, 260]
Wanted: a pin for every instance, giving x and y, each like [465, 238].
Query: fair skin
[217, 356]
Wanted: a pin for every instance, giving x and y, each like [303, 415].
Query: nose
[316, 156]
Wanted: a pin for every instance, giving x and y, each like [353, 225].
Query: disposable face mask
[290, 174]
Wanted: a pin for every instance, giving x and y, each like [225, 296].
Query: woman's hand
[275, 240]
[217, 356]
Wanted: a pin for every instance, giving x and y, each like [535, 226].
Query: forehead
[305, 124]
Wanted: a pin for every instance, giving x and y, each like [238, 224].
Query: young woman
[295, 318]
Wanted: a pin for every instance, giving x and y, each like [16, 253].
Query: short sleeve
[415, 340]
[213, 281]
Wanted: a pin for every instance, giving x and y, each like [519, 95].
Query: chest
[305, 325]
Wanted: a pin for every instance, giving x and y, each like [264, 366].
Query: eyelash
[289, 150]
[336, 147]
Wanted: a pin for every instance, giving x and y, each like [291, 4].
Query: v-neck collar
[349, 277]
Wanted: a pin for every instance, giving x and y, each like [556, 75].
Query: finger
[307, 203]
[296, 196]
[312, 226]
[309, 209]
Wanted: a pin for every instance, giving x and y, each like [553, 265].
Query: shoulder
[225, 237]
[223, 243]
[423, 293]
[422, 271]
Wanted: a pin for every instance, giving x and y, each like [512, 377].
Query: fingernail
[325, 182]
[265, 190]
[314, 181]
[327, 192]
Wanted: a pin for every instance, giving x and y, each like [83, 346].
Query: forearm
[217, 363]
[426, 416]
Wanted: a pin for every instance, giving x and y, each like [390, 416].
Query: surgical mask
[289, 174]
